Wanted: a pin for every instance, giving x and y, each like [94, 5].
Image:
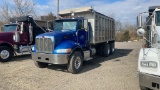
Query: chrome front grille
[44, 45]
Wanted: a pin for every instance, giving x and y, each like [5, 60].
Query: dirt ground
[116, 72]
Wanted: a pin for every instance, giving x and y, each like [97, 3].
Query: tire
[112, 47]
[5, 54]
[102, 49]
[106, 50]
[98, 50]
[41, 64]
[75, 63]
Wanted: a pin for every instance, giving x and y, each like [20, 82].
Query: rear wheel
[106, 49]
[76, 62]
[97, 51]
[102, 49]
[41, 64]
[5, 54]
[112, 47]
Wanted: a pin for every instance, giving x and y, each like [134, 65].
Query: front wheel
[41, 64]
[75, 64]
[5, 54]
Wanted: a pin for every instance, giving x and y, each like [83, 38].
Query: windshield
[65, 25]
[158, 18]
[10, 28]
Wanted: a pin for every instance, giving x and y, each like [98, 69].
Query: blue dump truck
[78, 35]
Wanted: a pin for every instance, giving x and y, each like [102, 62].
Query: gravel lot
[116, 72]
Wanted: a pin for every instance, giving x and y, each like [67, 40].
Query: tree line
[126, 31]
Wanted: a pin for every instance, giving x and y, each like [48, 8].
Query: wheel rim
[108, 50]
[77, 63]
[112, 49]
[4, 54]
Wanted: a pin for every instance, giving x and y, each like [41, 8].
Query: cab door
[24, 37]
[82, 34]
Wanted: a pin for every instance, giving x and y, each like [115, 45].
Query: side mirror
[86, 24]
[140, 32]
[22, 28]
[16, 37]
[48, 24]
[139, 21]
[31, 33]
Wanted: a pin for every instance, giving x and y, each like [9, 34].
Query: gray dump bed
[102, 27]
[35, 23]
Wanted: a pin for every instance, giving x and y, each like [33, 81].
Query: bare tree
[5, 11]
[49, 17]
[16, 8]
[126, 31]
[118, 25]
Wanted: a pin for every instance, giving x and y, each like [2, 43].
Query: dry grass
[121, 37]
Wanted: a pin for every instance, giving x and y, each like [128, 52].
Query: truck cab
[69, 37]
[18, 36]
[8, 35]
[8, 32]
[149, 56]
[74, 27]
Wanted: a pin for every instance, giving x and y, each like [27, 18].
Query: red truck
[19, 36]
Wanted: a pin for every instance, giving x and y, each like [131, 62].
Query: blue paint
[34, 48]
[82, 37]
[66, 45]
[67, 38]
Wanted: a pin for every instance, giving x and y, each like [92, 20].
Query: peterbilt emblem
[82, 37]
[43, 37]
[66, 37]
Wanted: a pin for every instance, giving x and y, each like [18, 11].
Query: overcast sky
[123, 10]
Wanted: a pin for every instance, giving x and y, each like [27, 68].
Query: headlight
[149, 64]
[33, 48]
[63, 50]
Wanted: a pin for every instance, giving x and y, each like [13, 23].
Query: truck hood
[6, 36]
[58, 33]
[60, 36]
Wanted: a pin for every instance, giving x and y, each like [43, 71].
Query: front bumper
[50, 58]
[149, 81]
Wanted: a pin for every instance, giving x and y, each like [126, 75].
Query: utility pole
[57, 8]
